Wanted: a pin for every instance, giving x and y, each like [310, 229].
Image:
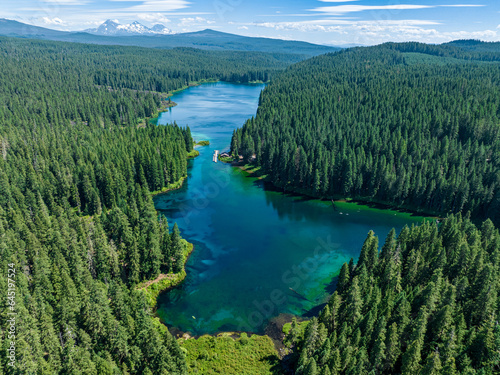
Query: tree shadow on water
[314, 311]
[332, 286]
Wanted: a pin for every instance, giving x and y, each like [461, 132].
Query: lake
[258, 253]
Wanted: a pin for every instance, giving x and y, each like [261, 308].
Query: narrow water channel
[258, 253]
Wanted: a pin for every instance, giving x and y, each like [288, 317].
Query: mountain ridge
[205, 39]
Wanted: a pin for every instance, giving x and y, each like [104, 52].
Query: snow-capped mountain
[113, 28]
[161, 29]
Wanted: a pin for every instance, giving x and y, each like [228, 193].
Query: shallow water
[252, 244]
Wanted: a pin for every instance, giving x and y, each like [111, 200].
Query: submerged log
[300, 295]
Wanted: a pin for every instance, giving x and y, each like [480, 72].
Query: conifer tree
[177, 250]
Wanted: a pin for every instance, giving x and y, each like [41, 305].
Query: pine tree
[369, 252]
[311, 368]
[412, 358]
[177, 250]
[343, 279]
[432, 365]
[392, 347]
[165, 245]
[355, 302]
[188, 139]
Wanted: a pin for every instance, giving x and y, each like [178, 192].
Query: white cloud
[153, 17]
[463, 5]
[53, 21]
[378, 31]
[329, 25]
[66, 2]
[94, 23]
[157, 6]
[343, 9]
[194, 21]
[242, 28]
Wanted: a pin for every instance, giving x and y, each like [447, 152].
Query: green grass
[193, 154]
[301, 327]
[255, 171]
[169, 187]
[245, 355]
[293, 338]
[203, 143]
[252, 168]
[226, 159]
[164, 282]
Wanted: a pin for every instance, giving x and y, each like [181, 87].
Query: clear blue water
[252, 244]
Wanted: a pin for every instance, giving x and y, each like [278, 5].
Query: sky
[332, 22]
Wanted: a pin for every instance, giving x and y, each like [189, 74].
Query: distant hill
[476, 45]
[206, 39]
[14, 28]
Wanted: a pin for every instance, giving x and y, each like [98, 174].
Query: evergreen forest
[426, 303]
[409, 125]
[78, 165]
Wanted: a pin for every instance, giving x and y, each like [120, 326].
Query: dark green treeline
[77, 219]
[426, 304]
[406, 124]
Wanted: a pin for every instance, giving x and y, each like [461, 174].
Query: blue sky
[319, 21]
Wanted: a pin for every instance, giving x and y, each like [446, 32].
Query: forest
[409, 125]
[427, 303]
[78, 226]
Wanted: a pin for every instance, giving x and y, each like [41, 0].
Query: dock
[215, 157]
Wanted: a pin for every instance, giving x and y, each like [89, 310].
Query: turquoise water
[252, 244]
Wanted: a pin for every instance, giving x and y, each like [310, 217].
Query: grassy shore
[231, 354]
[226, 159]
[164, 282]
[256, 171]
[173, 186]
[193, 154]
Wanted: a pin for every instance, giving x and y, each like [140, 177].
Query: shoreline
[273, 329]
[201, 82]
[170, 187]
[154, 118]
[372, 203]
[165, 282]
